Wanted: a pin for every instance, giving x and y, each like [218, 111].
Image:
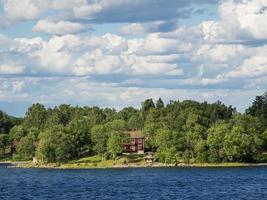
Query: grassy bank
[133, 161]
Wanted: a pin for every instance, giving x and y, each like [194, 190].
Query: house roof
[135, 134]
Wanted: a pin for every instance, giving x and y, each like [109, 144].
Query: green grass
[91, 162]
[91, 159]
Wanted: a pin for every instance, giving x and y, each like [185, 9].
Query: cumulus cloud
[11, 69]
[240, 20]
[137, 11]
[21, 10]
[107, 54]
[60, 27]
[255, 66]
[53, 91]
[142, 28]
[103, 11]
[151, 56]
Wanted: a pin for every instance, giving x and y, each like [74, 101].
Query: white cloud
[252, 67]
[134, 28]
[155, 44]
[59, 28]
[66, 4]
[240, 20]
[221, 52]
[208, 61]
[245, 17]
[21, 10]
[150, 27]
[11, 69]
[26, 45]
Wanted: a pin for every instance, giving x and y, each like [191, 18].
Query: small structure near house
[149, 158]
[34, 160]
[135, 144]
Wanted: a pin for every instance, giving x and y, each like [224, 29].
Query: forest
[180, 131]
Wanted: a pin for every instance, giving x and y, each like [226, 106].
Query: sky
[116, 53]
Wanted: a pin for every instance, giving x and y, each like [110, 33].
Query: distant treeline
[181, 131]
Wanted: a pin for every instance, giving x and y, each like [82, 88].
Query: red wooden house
[136, 142]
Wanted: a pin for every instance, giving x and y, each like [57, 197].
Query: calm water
[162, 183]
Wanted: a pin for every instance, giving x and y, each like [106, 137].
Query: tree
[264, 139]
[259, 109]
[5, 123]
[126, 113]
[99, 138]
[201, 151]
[15, 134]
[114, 144]
[240, 146]
[116, 125]
[26, 148]
[35, 116]
[3, 143]
[55, 145]
[186, 156]
[146, 106]
[64, 114]
[135, 122]
[79, 131]
[215, 141]
[159, 104]
[165, 141]
[199, 132]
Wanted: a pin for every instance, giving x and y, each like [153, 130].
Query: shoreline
[30, 165]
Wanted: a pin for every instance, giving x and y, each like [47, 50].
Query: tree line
[181, 131]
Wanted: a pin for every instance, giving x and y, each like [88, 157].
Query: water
[156, 183]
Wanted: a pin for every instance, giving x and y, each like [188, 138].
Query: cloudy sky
[116, 53]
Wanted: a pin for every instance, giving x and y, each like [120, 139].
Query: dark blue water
[160, 183]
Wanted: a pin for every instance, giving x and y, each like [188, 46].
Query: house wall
[136, 145]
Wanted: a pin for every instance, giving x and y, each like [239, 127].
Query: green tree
[26, 148]
[146, 106]
[166, 143]
[215, 141]
[240, 146]
[35, 116]
[159, 104]
[259, 109]
[5, 123]
[116, 125]
[186, 156]
[64, 114]
[264, 139]
[201, 151]
[3, 143]
[15, 134]
[126, 113]
[99, 138]
[114, 144]
[54, 145]
[135, 122]
[79, 131]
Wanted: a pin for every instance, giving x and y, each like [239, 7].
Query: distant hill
[7, 122]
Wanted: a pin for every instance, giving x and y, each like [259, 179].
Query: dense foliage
[186, 131]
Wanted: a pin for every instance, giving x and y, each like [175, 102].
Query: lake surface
[148, 183]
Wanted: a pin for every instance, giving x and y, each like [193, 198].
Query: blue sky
[117, 53]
